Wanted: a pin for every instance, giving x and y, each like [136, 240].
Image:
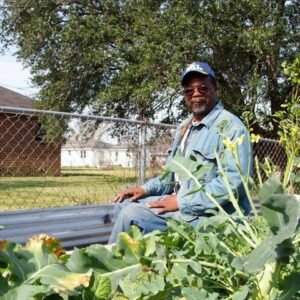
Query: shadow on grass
[20, 184]
[106, 176]
[85, 174]
[63, 181]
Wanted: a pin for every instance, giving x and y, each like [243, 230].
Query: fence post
[143, 154]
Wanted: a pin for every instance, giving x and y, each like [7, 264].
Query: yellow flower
[229, 144]
[240, 140]
[255, 138]
[294, 130]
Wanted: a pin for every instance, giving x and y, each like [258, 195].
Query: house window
[83, 154]
[117, 155]
[69, 152]
[39, 132]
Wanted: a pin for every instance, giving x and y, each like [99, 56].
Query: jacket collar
[209, 119]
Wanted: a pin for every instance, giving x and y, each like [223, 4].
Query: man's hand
[167, 204]
[135, 193]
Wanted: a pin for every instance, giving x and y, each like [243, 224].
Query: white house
[95, 153]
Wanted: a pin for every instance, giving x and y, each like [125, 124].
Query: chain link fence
[52, 159]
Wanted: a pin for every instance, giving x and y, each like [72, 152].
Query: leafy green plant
[226, 257]
[289, 124]
[212, 261]
[34, 272]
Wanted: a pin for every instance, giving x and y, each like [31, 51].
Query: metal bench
[73, 226]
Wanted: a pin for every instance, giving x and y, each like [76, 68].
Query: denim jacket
[203, 139]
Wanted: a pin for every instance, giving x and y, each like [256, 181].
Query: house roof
[73, 143]
[13, 99]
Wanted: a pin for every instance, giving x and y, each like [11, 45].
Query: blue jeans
[137, 213]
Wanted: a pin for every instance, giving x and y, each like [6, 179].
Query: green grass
[74, 187]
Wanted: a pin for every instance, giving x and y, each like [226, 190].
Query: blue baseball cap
[197, 67]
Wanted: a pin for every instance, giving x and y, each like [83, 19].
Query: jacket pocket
[205, 158]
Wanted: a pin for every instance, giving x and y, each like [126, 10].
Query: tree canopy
[124, 58]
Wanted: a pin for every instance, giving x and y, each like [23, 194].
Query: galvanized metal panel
[74, 226]
[10, 217]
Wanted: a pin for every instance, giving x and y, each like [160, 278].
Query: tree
[123, 58]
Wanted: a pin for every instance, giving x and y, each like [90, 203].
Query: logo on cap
[200, 67]
[195, 68]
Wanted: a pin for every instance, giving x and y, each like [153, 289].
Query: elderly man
[147, 206]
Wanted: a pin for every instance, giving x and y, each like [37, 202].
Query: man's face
[200, 95]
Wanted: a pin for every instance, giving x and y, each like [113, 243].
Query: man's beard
[199, 110]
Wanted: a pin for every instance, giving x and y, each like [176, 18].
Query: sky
[14, 76]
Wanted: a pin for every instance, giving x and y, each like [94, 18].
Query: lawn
[74, 187]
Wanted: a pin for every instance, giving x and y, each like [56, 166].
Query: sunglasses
[200, 89]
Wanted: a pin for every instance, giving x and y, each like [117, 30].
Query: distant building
[95, 153]
[24, 150]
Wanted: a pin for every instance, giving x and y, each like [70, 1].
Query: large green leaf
[60, 279]
[36, 254]
[117, 275]
[281, 212]
[104, 260]
[241, 294]
[147, 283]
[3, 285]
[131, 288]
[79, 261]
[178, 273]
[201, 246]
[151, 242]
[187, 167]
[110, 266]
[181, 227]
[257, 259]
[279, 209]
[99, 289]
[192, 293]
[26, 291]
[25, 261]
[268, 250]
[17, 262]
[131, 248]
[270, 187]
[34, 265]
[291, 286]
